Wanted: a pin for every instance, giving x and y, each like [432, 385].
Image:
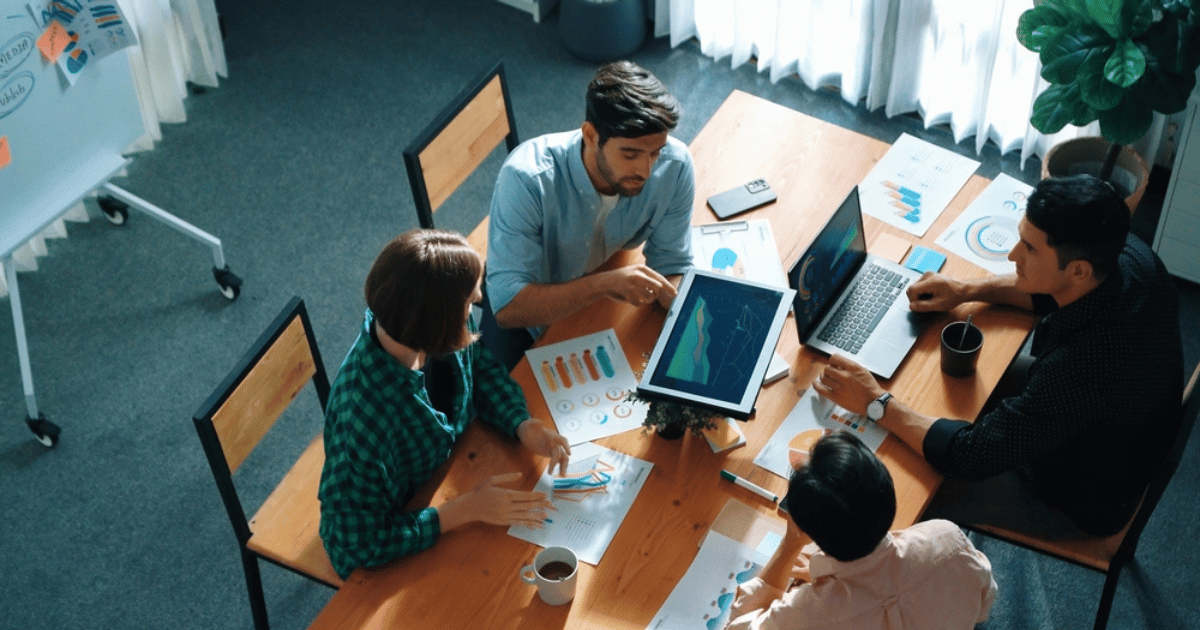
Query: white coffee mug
[553, 572]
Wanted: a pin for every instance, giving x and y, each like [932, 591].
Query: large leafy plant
[1116, 61]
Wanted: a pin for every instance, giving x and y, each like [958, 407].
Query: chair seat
[478, 238]
[1093, 552]
[286, 526]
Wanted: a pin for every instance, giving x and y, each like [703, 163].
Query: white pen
[752, 487]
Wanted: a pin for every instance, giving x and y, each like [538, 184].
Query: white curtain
[178, 41]
[954, 62]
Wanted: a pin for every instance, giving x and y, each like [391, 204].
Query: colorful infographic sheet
[89, 30]
[585, 381]
[592, 500]
[913, 183]
[742, 249]
[811, 418]
[703, 597]
[986, 231]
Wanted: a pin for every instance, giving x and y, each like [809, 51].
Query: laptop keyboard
[863, 309]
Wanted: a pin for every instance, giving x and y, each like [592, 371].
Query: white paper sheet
[914, 182]
[742, 249]
[592, 500]
[585, 381]
[704, 595]
[986, 231]
[812, 417]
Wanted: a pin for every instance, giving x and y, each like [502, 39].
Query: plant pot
[672, 431]
[1086, 156]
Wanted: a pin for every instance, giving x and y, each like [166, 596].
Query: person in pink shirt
[855, 573]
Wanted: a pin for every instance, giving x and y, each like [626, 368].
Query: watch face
[875, 410]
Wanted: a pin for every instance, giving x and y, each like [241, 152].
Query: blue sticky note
[923, 259]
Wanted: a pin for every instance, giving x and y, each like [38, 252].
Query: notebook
[851, 302]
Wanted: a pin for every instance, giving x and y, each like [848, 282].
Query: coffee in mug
[556, 570]
[553, 572]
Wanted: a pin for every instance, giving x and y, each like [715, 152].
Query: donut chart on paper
[993, 237]
[585, 382]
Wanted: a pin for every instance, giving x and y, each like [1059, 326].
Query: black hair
[626, 101]
[843, 498]
[1084, 218]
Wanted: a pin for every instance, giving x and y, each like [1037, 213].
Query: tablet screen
[717, 342]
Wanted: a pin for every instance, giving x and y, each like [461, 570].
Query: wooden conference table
[469, 578]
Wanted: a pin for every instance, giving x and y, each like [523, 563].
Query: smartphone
[738, 200]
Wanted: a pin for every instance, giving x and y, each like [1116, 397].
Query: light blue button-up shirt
[544, 210]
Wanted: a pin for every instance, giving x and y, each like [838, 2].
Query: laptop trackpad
[899, 329]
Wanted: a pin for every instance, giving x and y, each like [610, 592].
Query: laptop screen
[833, 258]
[717, 342]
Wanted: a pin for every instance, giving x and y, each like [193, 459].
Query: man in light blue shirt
[565, 202]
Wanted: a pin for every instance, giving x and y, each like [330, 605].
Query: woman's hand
[490, 503]
[547, 442]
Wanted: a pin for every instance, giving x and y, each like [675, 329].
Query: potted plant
[1115, 61]
[671, 419]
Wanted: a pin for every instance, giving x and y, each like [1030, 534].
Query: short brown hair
[419, 287]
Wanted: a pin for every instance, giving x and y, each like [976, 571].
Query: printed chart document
[93, 29]
[585, 381]
[986, 231]
[811, 418]
[913, 183]
[703, 597]
[742, 249]
[592, 500]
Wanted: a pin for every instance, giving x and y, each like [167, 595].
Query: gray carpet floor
[295, 163]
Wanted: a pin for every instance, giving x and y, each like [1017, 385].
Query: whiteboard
[64, 140]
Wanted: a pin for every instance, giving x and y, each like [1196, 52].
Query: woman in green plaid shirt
[410, 385]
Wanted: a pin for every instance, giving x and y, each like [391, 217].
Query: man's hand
[933, 292]
[637, 285]
[794, 538]
[848, 384]
[490, 503]
[541, 439]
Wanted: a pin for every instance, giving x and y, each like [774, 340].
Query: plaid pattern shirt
[383, 439]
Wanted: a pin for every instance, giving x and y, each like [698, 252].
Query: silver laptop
[851, 302]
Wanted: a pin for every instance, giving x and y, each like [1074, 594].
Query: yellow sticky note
[54, 41]
[5, 154]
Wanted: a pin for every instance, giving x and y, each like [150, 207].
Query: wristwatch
[878, 407]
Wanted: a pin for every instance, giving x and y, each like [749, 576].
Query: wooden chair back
[462, 136]
[233, 421]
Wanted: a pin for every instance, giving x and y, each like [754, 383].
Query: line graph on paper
[590, 500]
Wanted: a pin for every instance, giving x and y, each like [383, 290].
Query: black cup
[960, 352]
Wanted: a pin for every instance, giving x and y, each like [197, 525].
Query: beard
[625, 187]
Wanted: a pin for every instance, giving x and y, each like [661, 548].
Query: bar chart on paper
[585, 382]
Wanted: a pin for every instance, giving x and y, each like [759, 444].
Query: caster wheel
[44, 431]
[230, 284]
[116, 212]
